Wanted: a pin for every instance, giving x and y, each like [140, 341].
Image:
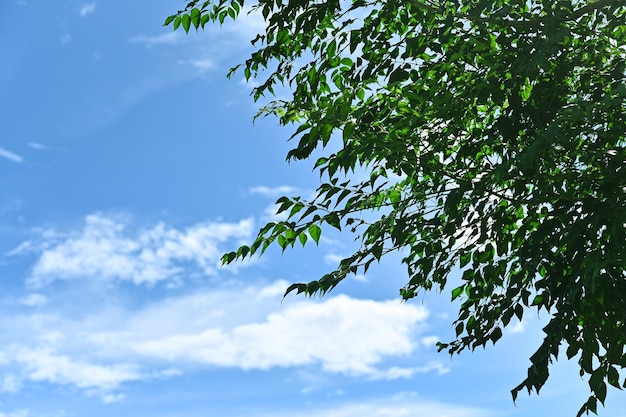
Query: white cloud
[272, 192]
[10, 155]
[332, 259]
[112, 398]
[34, 300]
[45, 365]
[518, 327]
[359, 277]
[336, 333]
[168, 38]
[201, 65]
[236, 325]
[18, 413]
[109, 248]
[87, 9]
[10, 384]
[429, 341]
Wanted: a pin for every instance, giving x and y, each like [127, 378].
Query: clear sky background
[128, 165]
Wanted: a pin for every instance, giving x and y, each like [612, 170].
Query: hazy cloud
[34, 300]
[168, 38]
[87, 9]
[201, 65]
[37, 146]
[332, 258]
[17, 413]
[10, 384]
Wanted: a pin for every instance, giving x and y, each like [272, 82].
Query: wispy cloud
[87, 9]
[109, 248]
[37, 146]
[65, 38]
[169, 38]
[10, 155]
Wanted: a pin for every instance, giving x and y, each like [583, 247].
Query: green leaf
[320, 161]
[333, 220]
[243, 251]
[169, 20]
[177, 21]
[315, 232]
[348, 131]
[613, 377]
[299, 288]
[466, 257]
[194, 16]
[459, 329]
[377, 250]
[538, 300]
[186, 22]
[496, 334]
[229, 258]
[457, 292]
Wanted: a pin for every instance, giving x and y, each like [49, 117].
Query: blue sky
[129, 164]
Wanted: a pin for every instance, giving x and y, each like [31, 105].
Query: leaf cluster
[493, 133]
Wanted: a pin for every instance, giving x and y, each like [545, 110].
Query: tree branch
[536, 22]
[590, 7]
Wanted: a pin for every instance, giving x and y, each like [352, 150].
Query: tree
[494, 135]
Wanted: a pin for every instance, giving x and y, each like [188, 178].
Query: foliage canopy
[494, 135]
